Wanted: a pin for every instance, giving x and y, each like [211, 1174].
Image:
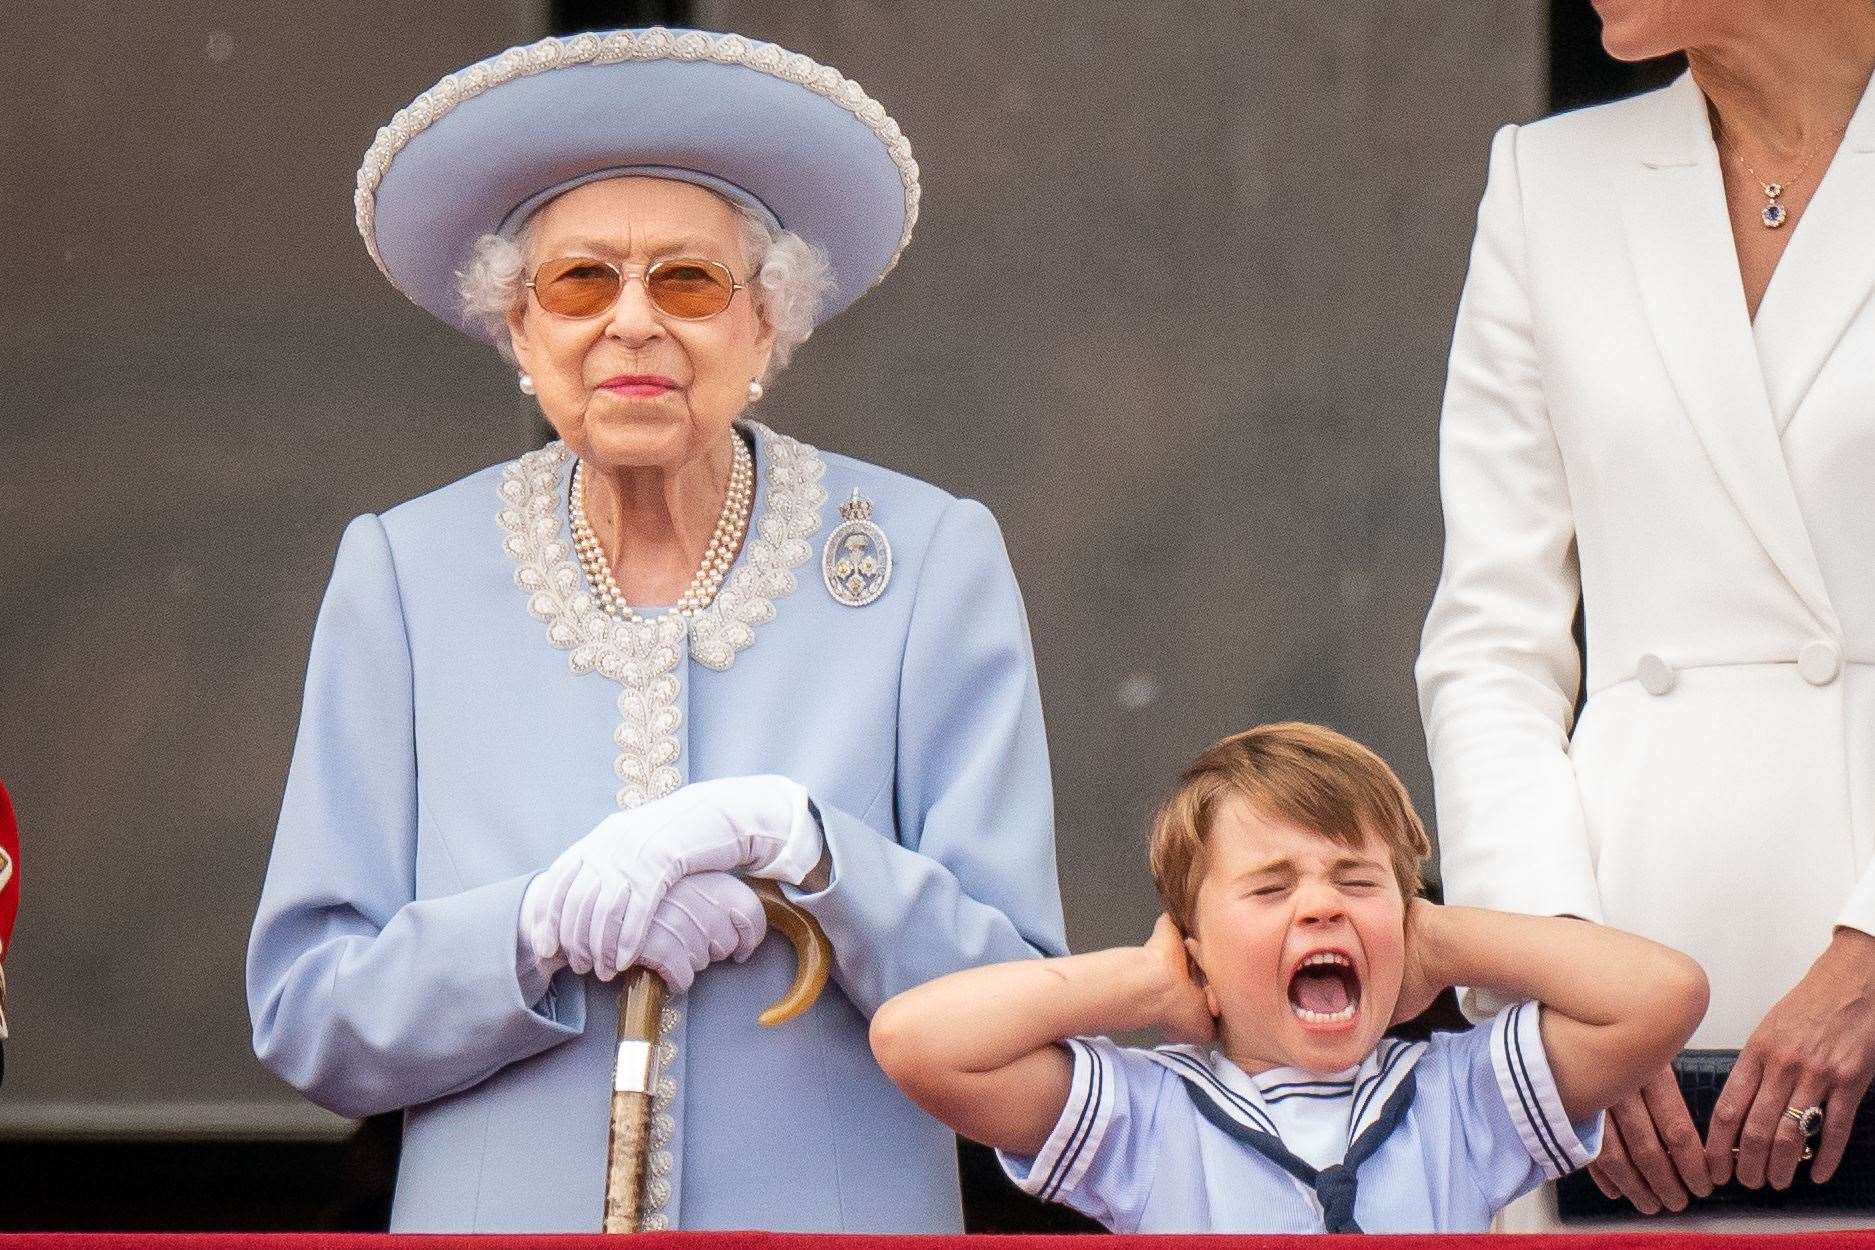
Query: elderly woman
[557, 712]
[1659, 406]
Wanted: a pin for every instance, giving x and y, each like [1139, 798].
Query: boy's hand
[1420, 983]
[1184, 1015]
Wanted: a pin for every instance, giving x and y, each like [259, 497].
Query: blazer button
[1819, 662]
[1655, 674]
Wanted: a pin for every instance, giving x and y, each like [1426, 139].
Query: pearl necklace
[731, 527]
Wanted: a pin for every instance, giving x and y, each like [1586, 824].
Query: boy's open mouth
[1325, 989]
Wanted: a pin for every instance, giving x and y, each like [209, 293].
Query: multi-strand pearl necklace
[725, 542]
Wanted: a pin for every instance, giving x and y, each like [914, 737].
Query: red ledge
[1860, 1240]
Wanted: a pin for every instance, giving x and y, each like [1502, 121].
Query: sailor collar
[1382, 1095]
[1230, 1091]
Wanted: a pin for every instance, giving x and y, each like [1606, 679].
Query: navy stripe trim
[1268, 1145]
[1389, 1047]
[1267, 1090]
[1555, 1137]
[1083, 1124]
[1365, 1099]
[1336, 1094]
[1526, 1093]
[1249, 1109]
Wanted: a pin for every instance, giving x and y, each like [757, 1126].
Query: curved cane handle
[813, 954]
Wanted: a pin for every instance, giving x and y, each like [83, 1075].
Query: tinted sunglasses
[683, 287]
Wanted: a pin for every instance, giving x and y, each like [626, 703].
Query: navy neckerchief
[1334, 1185]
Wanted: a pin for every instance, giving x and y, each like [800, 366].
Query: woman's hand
[1183, 1013]
[1651, 1153]
[593, 905]
[700, 920]
[1815, 1048]
[1420, 984]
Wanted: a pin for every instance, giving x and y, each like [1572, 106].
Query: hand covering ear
[594, 904]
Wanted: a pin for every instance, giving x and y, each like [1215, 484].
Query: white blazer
[1617, 428]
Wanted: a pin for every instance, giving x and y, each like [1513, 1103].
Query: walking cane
[635, 1076]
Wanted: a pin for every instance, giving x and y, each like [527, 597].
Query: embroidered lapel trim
[789, 514]
[642, 656]
[533, 490]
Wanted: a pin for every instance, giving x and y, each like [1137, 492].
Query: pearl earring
[525, 381]
[755, 390]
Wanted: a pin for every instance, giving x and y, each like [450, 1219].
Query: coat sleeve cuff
[1530, 1095]
[1064, 1158]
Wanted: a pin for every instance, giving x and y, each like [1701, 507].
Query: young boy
[1288, 863]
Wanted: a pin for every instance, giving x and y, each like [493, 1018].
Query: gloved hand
[593, 905]
[701, 919]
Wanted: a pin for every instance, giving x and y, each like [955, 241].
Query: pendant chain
[1774, 214]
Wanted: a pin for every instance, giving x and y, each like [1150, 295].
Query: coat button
[1656, 675]
[1819, 662]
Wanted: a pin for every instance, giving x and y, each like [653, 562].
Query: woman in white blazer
[1662, 404]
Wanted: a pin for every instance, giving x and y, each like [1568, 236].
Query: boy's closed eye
[1272, 889]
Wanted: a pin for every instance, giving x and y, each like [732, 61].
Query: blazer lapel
[1827, 272]
[1686, 265]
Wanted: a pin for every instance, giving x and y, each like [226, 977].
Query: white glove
[593, 905]
[702, 919]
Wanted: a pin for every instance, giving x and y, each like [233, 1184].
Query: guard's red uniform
[9, 892]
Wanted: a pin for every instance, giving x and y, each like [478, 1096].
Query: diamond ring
[1809, 1120]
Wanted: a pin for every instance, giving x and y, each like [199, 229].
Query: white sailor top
[1441, 1134]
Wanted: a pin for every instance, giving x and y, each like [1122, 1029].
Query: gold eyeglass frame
[619, 272]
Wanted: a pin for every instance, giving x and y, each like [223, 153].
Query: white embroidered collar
[788, 507]
[1209, 1075]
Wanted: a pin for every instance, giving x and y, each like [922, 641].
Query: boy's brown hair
[1305, 774]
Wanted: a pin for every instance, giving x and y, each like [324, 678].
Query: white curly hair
[790, 279]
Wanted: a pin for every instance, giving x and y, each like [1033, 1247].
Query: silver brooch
[857, 560]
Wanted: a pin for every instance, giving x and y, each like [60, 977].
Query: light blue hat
[477, 153]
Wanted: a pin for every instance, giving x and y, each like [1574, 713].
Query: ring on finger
[1809, 1120]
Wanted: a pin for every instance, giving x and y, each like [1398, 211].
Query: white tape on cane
[633, 1073]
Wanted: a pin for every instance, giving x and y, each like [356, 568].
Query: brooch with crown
[857, 560]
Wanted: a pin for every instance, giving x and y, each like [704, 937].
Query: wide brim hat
[476, 154]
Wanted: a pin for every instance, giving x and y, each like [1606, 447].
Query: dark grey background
[1177, 311]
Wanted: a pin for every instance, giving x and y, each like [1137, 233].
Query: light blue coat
[468, 715]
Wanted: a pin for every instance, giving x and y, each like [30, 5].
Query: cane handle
[813, 954]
